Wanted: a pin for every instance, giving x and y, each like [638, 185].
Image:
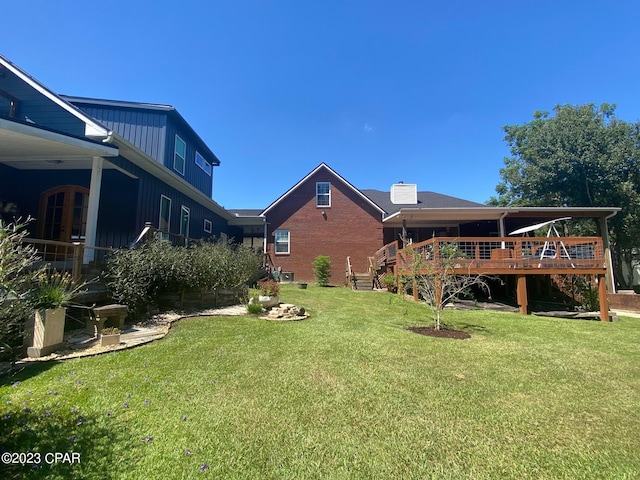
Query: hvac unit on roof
[404, 193]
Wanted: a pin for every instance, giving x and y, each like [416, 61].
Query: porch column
[606, 246]
[522, 294]
[602, 297]
[92, 209]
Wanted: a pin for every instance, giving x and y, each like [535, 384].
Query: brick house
[322, 214]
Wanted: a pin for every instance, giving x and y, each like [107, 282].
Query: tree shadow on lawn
[40, 434]
[24, 371]
[89, 440]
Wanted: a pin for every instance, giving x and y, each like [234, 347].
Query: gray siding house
[96, 171]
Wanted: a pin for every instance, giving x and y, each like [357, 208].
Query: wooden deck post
[416, 295]
[522, 293]
[602, 297]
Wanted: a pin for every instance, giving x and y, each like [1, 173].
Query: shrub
[269, 288]
[17, 272]
[254, 307]
[137, 277]
[322, 269]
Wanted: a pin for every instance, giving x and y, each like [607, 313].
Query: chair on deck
[502, 257]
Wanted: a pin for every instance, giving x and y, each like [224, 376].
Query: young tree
[581, 156]
[437, 280]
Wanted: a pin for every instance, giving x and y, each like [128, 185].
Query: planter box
[106, 340]
[211, 299]
[621, 301]
[46, 328]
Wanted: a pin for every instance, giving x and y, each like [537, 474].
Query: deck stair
[361, 281]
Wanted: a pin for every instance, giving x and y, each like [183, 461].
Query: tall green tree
[585, 156]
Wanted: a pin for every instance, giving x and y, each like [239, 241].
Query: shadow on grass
[470, 327]
[25, 370]
[39, 434]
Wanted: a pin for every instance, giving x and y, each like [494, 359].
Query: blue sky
[381, 91]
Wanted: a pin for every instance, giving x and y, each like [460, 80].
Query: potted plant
[390, 282]
[109, 336]
[269, 291]
[51, 293]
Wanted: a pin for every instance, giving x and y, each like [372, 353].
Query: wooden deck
[520, 256]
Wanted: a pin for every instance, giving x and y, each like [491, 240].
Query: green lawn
[348, 393]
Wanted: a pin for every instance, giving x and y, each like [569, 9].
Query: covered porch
[480, 237]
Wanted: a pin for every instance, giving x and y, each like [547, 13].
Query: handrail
[63, 255]
[499, 253]
[349, 270]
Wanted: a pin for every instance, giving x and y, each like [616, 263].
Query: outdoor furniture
[108, 315]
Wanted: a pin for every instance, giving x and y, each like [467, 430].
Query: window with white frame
[323, 194]
[282, 241]
[203, 164]
[164, 222]
[208, 226]
[185, 214]
[179, 155]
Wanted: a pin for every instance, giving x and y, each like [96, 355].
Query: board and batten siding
[144, 129]
[192, 172]
[149, 191]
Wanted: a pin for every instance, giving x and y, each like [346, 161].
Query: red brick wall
[352, 227]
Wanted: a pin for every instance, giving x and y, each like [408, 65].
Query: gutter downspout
[501, 227]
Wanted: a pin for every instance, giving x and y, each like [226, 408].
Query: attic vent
[404, 193]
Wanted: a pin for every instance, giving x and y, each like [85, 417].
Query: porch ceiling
[429, 216]
[27, 147]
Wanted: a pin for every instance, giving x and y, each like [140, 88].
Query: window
[208, 226]
[203, 164]
[164, 223]
[184, 221]
[282, 241]
[8, 104]
[179, 155]
[323, 194]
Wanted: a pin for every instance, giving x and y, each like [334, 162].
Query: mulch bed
[442, 333]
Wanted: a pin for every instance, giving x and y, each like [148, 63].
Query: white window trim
[160, 213]
[288, 242]
[328, 194]
[183, 209]
[175, 152]
[208, 226]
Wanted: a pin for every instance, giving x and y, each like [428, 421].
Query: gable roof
[93, 129]
[169, 110]
[313, 172]
[425, 200]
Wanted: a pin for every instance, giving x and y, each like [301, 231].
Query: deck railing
[386, 255]
[493, 254]
[66, 256]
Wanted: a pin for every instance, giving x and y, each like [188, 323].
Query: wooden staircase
[362, 281]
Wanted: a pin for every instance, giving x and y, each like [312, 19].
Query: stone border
[154, 328]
